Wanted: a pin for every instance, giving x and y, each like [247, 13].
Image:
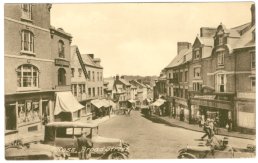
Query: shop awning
[66, 102]
[98, 103]
[158, 102]
[132, 101]
[102, 103]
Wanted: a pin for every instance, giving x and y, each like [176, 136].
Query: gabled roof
[125, 82]
[89, 61]
[76, 53]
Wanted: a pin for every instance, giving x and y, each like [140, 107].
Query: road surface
[151, 139]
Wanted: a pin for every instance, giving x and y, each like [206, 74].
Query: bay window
[221, 83]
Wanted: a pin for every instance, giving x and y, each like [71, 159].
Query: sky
[141, 38]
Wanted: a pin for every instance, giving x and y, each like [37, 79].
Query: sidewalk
[194, 127]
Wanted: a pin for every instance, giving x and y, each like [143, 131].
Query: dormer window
[220, 58]
[220, 40]
[26, 11]
[197, 54]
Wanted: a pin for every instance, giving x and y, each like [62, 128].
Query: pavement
[221, 131]
[102, 119]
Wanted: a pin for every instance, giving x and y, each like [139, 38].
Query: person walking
[84, 145]
[206, 129]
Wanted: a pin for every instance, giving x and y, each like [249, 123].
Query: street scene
[119, 81]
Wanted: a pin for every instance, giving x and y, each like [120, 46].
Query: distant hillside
[144, 79]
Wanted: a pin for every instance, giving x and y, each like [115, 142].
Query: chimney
[183, 45]
[253, 14]
[97, 61]
[91, 55]
[122, 77]
[117, 77]
[207, 31]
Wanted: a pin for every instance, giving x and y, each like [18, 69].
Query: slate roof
[179, 59]
[89, 61]
[245, 40]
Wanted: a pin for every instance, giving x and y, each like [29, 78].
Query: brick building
[220, 78]
[37, 60]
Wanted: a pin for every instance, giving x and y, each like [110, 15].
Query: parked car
[65, 134]
[220, 150]
[32, 151]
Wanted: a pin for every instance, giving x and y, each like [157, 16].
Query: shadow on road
[157, 120]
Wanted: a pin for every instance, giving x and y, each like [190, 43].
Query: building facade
[34, 68]
[217, 80]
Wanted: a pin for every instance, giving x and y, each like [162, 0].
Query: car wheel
[116, 156]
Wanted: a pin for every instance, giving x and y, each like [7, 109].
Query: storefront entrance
[10, 117]
[221, 115]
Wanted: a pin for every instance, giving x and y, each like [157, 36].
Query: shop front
[218, 110]
[26, 113]
[181, 109]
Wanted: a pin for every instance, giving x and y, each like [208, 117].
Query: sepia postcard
[126, 81]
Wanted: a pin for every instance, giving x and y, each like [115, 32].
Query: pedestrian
[229, 124]
[84, 145]
[206, 129]
[211, 125]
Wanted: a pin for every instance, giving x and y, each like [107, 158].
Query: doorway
[10, 117]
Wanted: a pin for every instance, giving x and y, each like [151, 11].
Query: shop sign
[214, 104]
[209, 97]
[61, 62]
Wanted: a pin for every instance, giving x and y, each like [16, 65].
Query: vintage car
[218, 150]
[65, 135]
[32, 151]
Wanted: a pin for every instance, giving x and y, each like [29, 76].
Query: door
[10, 117]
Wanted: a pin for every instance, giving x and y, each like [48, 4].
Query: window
[253, 87]
[220, 58]
[27, 76]
[89, 75]
[184, 58]
[72, 71]
[97, 76]
[169, 91]
[89, 91]
[28, 112]
[26, 11]
[98, 91]
[197, 53]
[186, 76]
[101, 76]
[80, 88]
[80, 72]
[83, 88]
[253, 60]
[197, 72]
[61, 76]
[75, 90]
[93, 92]
[101, 91]
[27, 41]
[221, 82]
[169, 75]
[93, 76]
[61, 49]
[221, 40]
[197, 86]
[180, 76]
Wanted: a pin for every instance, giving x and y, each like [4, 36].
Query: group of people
[210, 128]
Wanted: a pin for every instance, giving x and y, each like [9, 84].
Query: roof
[72, 124]
[125, 82]
[89, 61]
[241, 27]
[135, 82]
[246, 40]
[179, 59]
[208, 41]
